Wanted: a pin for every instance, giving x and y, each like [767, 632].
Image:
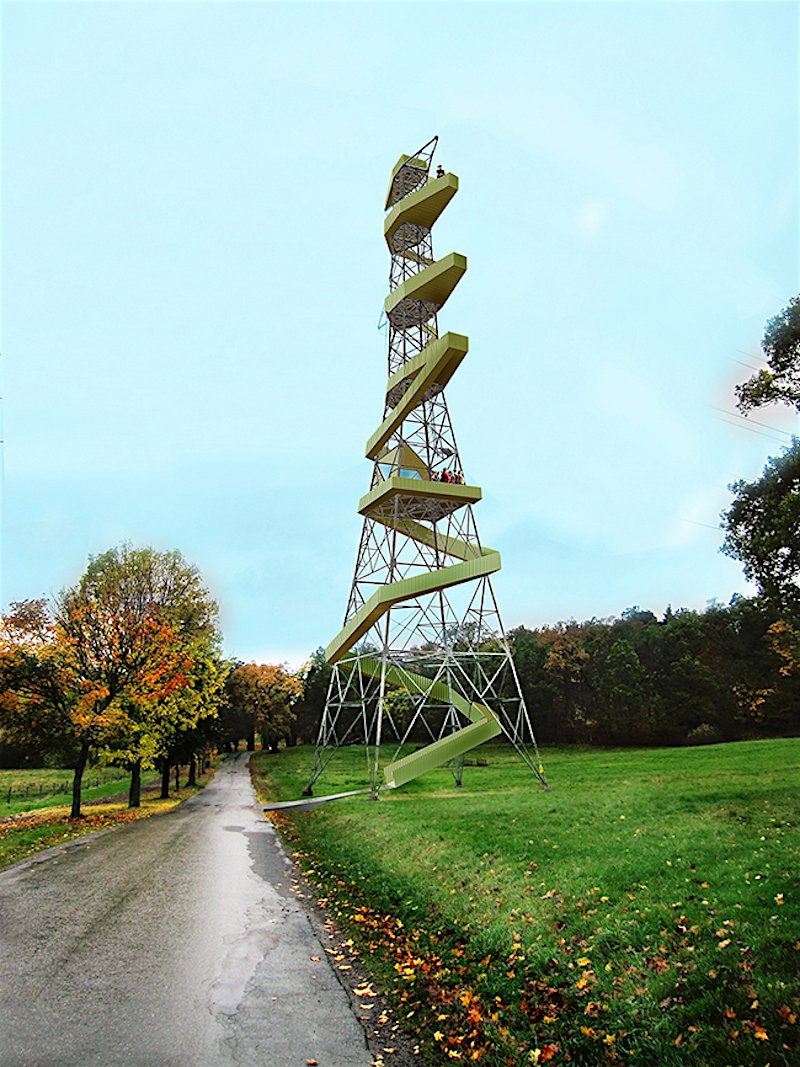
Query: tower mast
[422, 658]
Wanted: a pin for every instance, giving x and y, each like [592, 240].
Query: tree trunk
[177, 777]
[192, 780]
[135, 792]
[77, 779]
[165, 769]
[251, 741]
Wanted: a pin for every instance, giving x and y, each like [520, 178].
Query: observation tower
[421, 667]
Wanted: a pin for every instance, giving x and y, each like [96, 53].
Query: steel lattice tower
[422, 656]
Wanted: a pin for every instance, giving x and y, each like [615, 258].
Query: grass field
[645, 911]
[28, 826]
[30, 790]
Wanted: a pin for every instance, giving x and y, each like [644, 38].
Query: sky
[194, 269]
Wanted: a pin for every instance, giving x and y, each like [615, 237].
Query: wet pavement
[173, 940]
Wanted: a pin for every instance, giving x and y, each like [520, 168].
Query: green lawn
[646, 910]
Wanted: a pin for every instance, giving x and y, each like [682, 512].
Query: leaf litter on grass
[629, 942]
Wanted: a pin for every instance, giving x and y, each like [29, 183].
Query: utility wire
[748, 365]
[752, 429]
[749, 355]
[694, 522]
[754, 422]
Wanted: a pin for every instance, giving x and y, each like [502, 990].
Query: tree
[266, 693]
[234, 723]
[125, 662]
[565, 666]
[781, 345]
[400, 707]
[168, 709]
[315, 675]
[47, 699]
[769, 699]
[623, 688]
[762, 529]
[144, 625]
[530, 653]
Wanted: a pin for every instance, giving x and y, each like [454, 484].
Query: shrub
[704, 734]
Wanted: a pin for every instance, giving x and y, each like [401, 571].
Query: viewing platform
[417, 499]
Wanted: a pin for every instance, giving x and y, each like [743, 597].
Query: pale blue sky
[194, 269]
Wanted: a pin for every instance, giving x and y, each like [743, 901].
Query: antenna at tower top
[409, 172]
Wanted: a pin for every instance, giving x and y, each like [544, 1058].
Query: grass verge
[644, 911]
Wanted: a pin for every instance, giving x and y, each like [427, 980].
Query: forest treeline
[691, 677]
[727, 673]
[124, 669]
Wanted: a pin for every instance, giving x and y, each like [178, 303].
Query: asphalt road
[171, 941]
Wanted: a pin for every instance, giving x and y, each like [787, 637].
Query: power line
[748, 365]
[751, 429]
[694, 522]
[755, 422]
